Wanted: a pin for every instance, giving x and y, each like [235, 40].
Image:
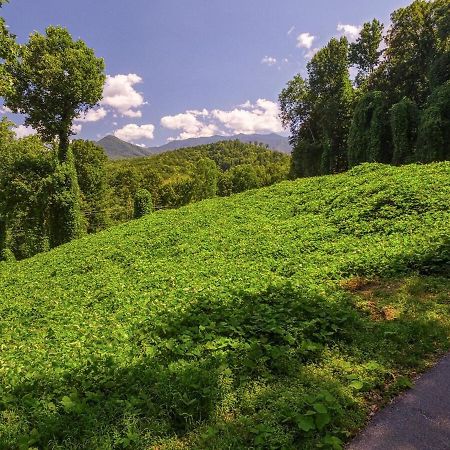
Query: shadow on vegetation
[188, 369]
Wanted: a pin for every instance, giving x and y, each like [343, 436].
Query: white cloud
[93, 115]
[133, 132]
[76, 128]
[350, 31]
[305, 40]
[247, 118]
[190, 125]
[269, 60]
[131, 113]
[24, 131]
[120, 94]
[291, 30]
[262, 117]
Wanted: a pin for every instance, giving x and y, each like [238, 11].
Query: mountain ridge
[116, 148]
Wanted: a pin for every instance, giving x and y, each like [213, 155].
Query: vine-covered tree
[90, 164]
[434, 130]
[318, 110]
[369, 131]
[332, 93]
[54, 80]
[404, 120]
[411, 48]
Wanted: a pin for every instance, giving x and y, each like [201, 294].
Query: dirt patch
[372, 292]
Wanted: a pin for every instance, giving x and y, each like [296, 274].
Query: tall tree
[369, 131]
[332, 94]
[412, 47]
[404, 118]
[433, 142]
[55, 79]
[365, 53]
[90, 164]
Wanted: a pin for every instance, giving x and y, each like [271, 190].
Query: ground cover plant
[276, 318]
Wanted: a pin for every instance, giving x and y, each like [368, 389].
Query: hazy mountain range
[115, 148]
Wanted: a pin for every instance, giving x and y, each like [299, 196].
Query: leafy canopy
[55, 80]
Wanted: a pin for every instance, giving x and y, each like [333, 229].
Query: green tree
[369, 131]
[90, 164]
[66, 221]
[26, 168]
[7, 50]
[404, 118]
[296, 106]
[243, 178]
[143, 203]
[306, 158]
[332, 94]
[205, 179]
[56, 79]
[412, 46]
[365, 53]
[433, 142]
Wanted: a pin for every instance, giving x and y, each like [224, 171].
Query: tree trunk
[63, 147]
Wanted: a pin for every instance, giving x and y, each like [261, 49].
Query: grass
[277, 318]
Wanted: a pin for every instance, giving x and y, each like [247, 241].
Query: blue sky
[187, 68]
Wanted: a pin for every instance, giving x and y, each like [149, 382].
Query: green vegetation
[38, 195]
[397, 110]
[187, 175]
[275, 318]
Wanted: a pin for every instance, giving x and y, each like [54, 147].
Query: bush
[142, 203]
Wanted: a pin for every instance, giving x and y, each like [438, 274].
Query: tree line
[396, 109]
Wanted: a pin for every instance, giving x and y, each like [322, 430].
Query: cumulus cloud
[119, 93]
[93, 115]
[134, 133]
[190, 125]
[269, 61]
[247, 118]
[350, 31]
[305, 40]
[24, 131]
[261, 117]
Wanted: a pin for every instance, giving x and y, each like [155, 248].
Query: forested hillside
[275, 318]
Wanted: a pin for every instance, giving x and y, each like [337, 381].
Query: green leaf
[320, 408]
[357, 385]
[322, 420]
[306, 423]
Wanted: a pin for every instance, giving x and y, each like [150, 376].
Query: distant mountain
[115, 148]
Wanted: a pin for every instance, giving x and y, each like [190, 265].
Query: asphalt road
[417, 420]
